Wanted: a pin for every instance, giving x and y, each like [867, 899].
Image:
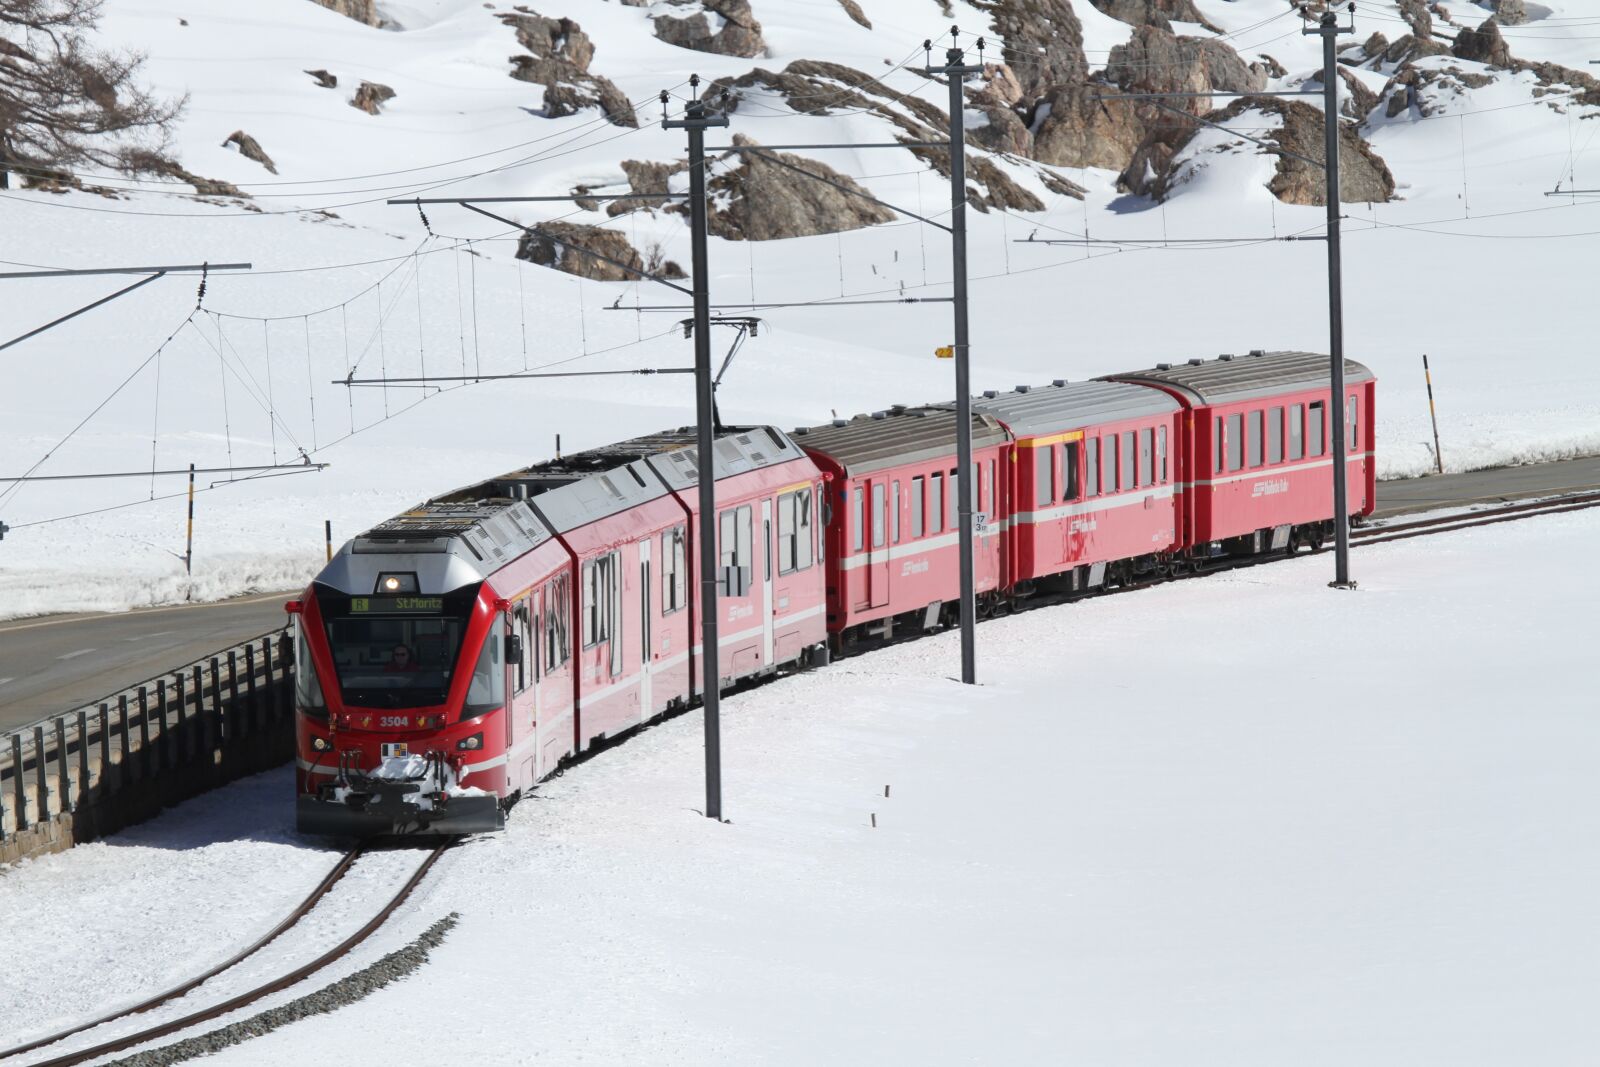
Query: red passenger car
[1256, 448]
[453, 656]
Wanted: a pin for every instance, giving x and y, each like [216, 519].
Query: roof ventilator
[1024, 388]
[1059, 382]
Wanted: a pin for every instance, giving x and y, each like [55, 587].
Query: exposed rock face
[559, 57]
[370, 97]
[1363, 175]
[1078, 130]
[646, 177]
[1154, 12]
[1376, 45]
[1510, 12]
[1408, 48]
[361, 10]
[250, 148]
[763, 200]
[1415, 12]
[733, 30]
[1044, 40]
[853, 9]
[1154, 60]
[1360, 101]
[562, 245]
[324, 79]
[143, 162]
[1483, 45]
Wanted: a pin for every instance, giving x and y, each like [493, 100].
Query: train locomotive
[450, 658]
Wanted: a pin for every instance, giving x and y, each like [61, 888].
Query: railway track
[256, 993]
[1400, 531]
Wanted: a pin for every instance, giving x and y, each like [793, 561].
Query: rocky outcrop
[1408, 48]
[324, 79]
[1044, 43]
[1415, 12]
[1483, 45]
[250, 148]
[1156, 61]
[566, 247]
[1160, 13]
[1363, 175]
[145, 162]
[1082, 125]
[1375, 46]
[361, 10]
[1357, 100]
[558, 58]
[1509, 12]
[646, 177]
[370, 97]
[764, 199]
[857, 16]
[731, 30]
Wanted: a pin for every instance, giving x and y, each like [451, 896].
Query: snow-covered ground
[1473, 266]
[1244, 820]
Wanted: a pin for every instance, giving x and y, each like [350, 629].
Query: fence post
[236, 718]
[18, 786]
[83, 757]
[218, 735]
[127, 772]
[2, 810]
[105, 749]
[148, 766]
[202, 743]
[63, 772]
[182, 746]
[168, 753]
[41, 778]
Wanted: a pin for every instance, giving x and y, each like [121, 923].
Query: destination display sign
[395, 605]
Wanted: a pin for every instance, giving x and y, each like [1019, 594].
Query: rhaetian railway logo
[1270, 488]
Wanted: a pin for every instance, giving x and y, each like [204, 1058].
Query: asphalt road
[60, 663]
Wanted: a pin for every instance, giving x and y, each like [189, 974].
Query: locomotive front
[400, 672]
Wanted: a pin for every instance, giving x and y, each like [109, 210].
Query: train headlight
[470, 744]
[320, 744]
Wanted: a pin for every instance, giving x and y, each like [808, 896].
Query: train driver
[401, 661]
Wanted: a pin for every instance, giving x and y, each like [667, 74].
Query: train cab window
[1256, 420]
[794, 531]
[1235, 441]
[557, 610]
[1108, 463]
[1125, 454]
[522, 626]
[858, 520]
[894, 512]
[1091, 467]
[1044, 487]
[1161, 453]
[486, 690]
[917, 504]
[1146, 455]
[1275, 435]
[1069, 471]
[936, 503]
[880, 514]
[1316, 438]
[1297, 431]
[1350, 434]
[674, 571]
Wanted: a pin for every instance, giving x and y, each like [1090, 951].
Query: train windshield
[395, 651]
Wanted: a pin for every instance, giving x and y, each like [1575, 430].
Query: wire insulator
[423, 215]
[200, 296]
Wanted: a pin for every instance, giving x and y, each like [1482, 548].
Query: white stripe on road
[75, 655]
[3, 681]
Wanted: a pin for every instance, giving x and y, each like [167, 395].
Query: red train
[450, 658]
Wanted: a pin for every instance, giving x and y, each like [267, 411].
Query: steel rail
[1470, 517]
[243, 954]
[260, 992]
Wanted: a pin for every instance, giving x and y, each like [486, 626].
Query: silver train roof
[463, 536]
[1229, 377]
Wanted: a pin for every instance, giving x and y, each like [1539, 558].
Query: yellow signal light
[945, 352]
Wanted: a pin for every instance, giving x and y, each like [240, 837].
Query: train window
[1275, 435]
[1350, 424]
[307, 687]
[917, 505]
[936, 502]
[1222, 447]
[1108, 463]
[673, 570]
[486, 691]
[734, 550]
[1069, 471]
[1316, 440]
[894, 513]
[952, 492]
[1091, 467]
[994, 490]
[858, 519]
[1125, 454]
[1146, 455]
[1044, 489]
[1297, 431]
[590, 620]
[794, 531]
[599, 599]
[1161, 452]
[1235, 440]
[1255, 422]
[522, 626]
[880, 510]
[556, 612]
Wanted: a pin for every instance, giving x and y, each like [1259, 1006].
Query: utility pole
[1329, 29]
[696, 120]
[955, 71]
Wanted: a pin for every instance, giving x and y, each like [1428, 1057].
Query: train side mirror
[513, 648]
